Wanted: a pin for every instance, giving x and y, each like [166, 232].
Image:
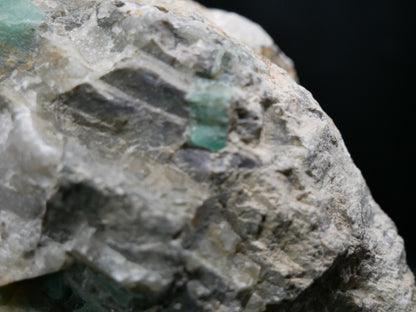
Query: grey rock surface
[106, 206]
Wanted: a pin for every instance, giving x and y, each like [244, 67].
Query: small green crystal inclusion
[18, 22]
[208, 114]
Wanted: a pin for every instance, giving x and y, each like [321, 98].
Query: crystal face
[18, 22]
[208, 116]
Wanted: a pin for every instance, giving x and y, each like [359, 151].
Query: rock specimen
[160, 156]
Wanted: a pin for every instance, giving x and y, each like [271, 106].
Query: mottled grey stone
[105, 206]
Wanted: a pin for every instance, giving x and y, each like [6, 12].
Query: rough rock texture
[153, 157]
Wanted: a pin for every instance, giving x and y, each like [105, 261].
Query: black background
[357, 57]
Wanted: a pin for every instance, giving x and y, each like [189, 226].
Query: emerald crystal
[18, 22]
[208, 116]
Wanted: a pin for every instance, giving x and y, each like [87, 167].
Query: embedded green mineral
[208, 117]
[18, 22]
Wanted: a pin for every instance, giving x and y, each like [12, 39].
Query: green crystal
[54, 286]
[18, 22]
[208, 114]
